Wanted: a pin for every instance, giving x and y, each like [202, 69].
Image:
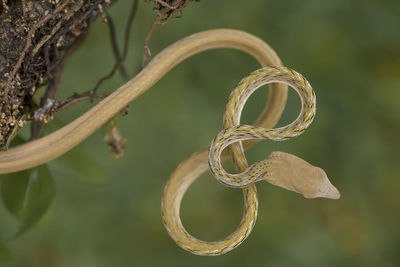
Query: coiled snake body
[279, 168]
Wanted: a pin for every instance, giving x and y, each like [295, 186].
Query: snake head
[295, 174]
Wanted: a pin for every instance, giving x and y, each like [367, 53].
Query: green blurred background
[350, 53]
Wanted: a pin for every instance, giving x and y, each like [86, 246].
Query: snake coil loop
[235, 133]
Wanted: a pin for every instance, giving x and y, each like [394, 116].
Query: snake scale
[281, 169]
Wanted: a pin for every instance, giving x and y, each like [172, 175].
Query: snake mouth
[329, 191]
[332, 193]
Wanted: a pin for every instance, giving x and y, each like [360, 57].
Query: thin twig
[46, 38]
[169, 11]
[75, 98]
[166, 5]
[146, 51]
[125, 51]
[128, 29]
[114, 45]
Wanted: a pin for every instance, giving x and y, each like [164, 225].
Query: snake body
[56, 144]
[245, 132]
[281, 169]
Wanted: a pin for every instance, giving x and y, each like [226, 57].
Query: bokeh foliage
[348, 50]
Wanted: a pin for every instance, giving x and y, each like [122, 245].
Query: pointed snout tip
[331, 193]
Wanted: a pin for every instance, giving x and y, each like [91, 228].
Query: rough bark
[35, 36]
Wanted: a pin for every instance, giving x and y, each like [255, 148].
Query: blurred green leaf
[77, 162]
[11, 142]
[28, 195]
[5, 254]
[14, 189]
[39, 196]
[18, 140]
[81, 165]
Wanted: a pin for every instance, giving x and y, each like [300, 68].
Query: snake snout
[328, 189]
[322, 187]
[295, 174]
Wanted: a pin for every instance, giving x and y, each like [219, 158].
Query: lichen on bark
[35, 36]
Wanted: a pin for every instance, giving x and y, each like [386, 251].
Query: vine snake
[281, 169]
[56, 144]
